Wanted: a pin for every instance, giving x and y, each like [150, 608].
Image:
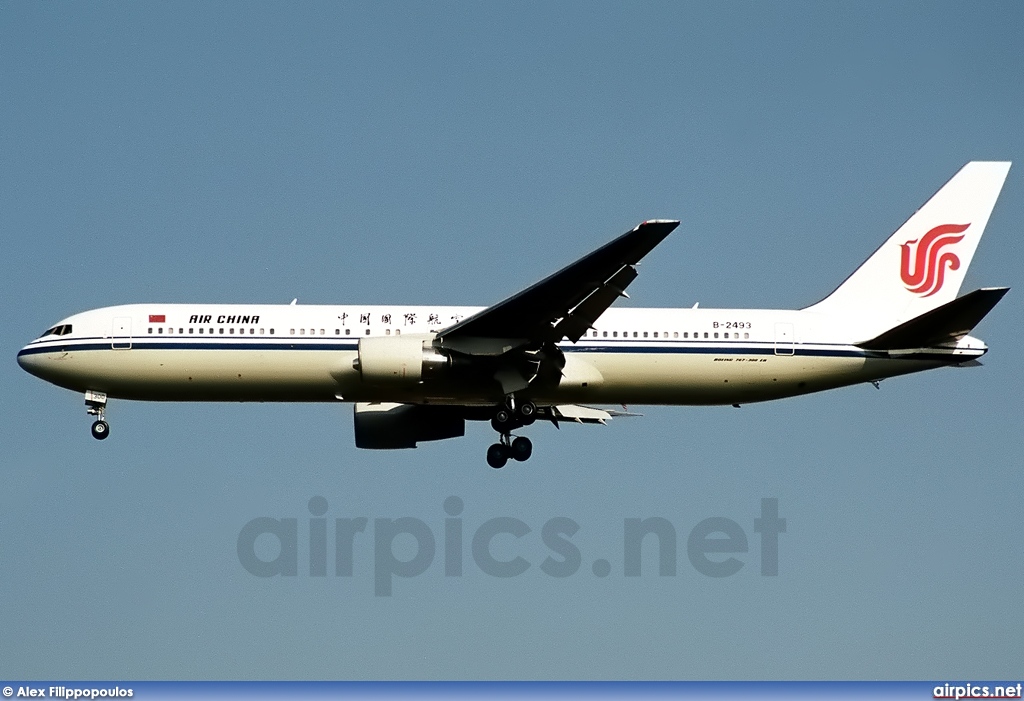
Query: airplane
[552, 351]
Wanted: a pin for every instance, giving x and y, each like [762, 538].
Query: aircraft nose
[30, 362]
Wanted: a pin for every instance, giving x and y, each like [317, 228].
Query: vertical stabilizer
[923, 264]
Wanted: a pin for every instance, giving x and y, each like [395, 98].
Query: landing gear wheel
[527, 413]
[521, 449]
[505, 421]
[100, 430]
[95, 405]
[497, 456]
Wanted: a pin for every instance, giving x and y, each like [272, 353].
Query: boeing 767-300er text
[418, 373]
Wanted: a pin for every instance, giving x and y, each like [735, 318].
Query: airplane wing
[584, 414]
[563, 305]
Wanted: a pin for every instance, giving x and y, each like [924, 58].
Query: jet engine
[387, 426]
[399, 359]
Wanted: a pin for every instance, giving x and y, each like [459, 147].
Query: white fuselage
[192, 352]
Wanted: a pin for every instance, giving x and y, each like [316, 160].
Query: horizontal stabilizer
[942, 325]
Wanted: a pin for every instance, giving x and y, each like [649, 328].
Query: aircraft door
[784, 339]
[121, 334]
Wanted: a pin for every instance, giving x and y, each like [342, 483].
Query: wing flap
[583, 316]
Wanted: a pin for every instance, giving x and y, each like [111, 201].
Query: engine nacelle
[398, 359]
[386, 426]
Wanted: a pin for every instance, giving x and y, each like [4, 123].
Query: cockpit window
[62, 330]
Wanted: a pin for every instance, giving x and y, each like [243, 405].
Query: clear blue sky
[454, 153]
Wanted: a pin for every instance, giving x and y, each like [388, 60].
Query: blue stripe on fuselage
[104, 344]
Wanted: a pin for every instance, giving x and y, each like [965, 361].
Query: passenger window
[605, 334]
[746, 335]
[348, 331]
[261, 332]
[222, 332]
[252, 332]
[321, 332]
[150, 329]
[367, 332]
[192, 330]
[231, 331]
[615, 334]
[675, 334]
[716, 334]
[387, 332]
[302, 332]
[686, 334]
[160, 330]
[271, 332]
[705, 334]
[181, 331]
[200, 330]
[337, 332]
[655, 334]
[645, 334]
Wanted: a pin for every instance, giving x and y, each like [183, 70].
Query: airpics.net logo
[407, 547]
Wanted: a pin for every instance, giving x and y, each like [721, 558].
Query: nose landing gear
[506, 419]
[96, 404]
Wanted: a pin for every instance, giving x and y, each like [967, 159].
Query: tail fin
[922, 265]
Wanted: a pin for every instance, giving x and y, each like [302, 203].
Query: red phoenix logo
[924, 269]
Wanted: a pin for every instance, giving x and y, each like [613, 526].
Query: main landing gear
[96, 404]
[506, 419]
